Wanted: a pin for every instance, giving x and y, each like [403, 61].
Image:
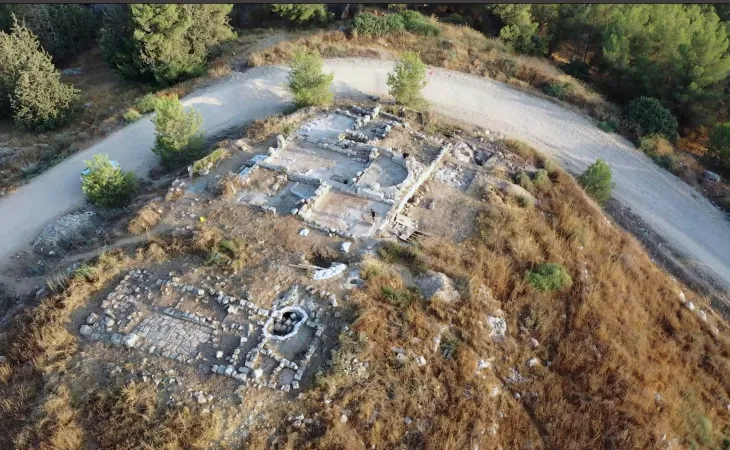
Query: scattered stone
[498, 328]
[343, 418]
[131, 340]
[711, 176]
[304, 232]
[86, 330]
[334, 270]
[345, 248]
[532, 362]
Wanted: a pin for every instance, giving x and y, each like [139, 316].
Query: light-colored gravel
[678, 213]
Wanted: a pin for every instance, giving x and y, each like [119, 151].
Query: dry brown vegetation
[36, 409]
[628, 363]
[458, 48]
[131, 417]
[146, 218]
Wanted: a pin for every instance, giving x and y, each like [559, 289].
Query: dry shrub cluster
[628, 363]
[458, 48]
[146, 218]
[131, 417]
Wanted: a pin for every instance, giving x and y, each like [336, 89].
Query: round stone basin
[284, 323]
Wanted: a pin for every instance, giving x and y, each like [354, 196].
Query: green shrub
[542, 180]
[132, 115]
[106, 185]
[407, 80]
[307, 83]
[178, 138]
[302, 12]
[577, 69]
[30, 86]
[549, 277]
[596, 180]
[718, 148]
[392, 253]
[523, 179]
[647, 116]
[400, 298]
[146, 104]
[209, 161]
[605, 126]
[368, 24]
[416, 23]
[455, 19]
[658, 148]
[557, 90]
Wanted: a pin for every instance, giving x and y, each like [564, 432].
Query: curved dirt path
[674, 210]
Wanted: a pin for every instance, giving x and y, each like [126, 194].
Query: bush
[658, 148]
[146, 104]
[523, 179]
[577, 69]
[368, 24]
[302, 12]
[596, 180]
[455, 19]
[647, 116]
[307, 83]
[178, 138]
[558, 90]
[407, 80]
[605, 126]
[393, 253]
[542, 180]
[106, 185]
[718, 147]
[548, 277]
[209, 161]
[30, 85]
[132, 115]
[416, 23]
[400, 298]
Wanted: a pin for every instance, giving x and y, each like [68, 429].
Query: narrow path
[682, 216]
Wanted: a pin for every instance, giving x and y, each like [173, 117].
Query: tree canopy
[163, 42]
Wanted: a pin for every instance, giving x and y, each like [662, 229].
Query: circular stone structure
[284, 323]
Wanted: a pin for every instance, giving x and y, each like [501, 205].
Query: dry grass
[36, 410]
[131, 417]
[629, 363]
[146, 218]
[458, 48]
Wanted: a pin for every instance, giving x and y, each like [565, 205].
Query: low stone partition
[425, 174]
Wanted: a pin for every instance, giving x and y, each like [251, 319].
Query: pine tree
[64, 30]
[307, 83]
[407, 80]
[178, 138]
[163, 42]
[30, 84]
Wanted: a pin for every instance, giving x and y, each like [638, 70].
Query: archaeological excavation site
[348, 277]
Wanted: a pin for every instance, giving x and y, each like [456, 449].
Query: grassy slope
[628, 362]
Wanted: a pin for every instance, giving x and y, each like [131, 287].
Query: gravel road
[673, 209]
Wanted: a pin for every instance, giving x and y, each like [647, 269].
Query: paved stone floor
[172, 336]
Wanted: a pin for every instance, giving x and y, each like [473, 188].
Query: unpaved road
[673, 209]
